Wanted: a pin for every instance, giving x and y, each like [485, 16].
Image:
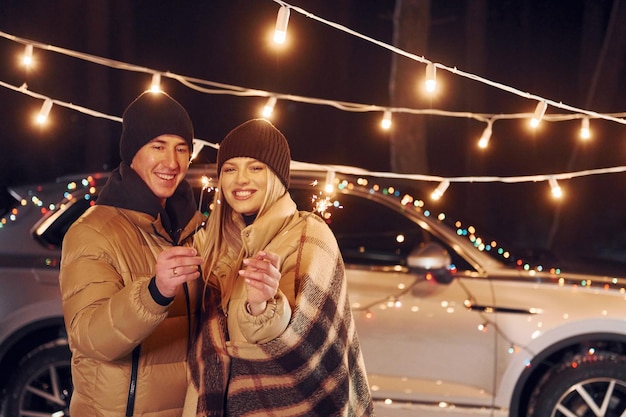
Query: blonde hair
[224, 231]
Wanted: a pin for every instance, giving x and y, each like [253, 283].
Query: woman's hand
[262, 275]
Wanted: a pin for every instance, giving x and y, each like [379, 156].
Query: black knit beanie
[261, 140]
[151, 115]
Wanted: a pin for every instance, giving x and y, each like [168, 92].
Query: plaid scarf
[315, 368]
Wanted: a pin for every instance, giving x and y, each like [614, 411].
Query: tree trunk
[600, 84]
[408, 138]
[100, 135]
[610, 65]
[475, 60]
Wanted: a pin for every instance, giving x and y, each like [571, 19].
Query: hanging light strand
[353, 170]
[453, 70]
[222, 88]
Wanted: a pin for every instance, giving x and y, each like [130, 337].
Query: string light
[585, 132]
[431, 77]
[46, 108]
[540, 110]
[419, 177]
[440, 190]
[356, 107]
[555, 188]
[386, 121]
[483, 142]
[42, 117]
[235, 90]
[347, 169]
[282, 20]
[269, 107]
[155, 86]
[27, 59]
[453, 70]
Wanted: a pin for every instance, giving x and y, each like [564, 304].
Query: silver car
[450, 323]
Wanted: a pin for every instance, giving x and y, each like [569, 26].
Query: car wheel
[42, 384]
[587, 386]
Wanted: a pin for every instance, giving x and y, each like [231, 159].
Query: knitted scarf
[125, 189]
[315, 368]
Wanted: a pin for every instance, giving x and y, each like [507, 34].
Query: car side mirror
[433, 259]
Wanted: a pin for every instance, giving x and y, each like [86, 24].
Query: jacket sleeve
[273, 322]
[268, 325]
[107, 311]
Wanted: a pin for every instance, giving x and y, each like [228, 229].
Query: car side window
[52, 235]
[370, 233]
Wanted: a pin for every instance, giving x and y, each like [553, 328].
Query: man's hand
[175, 266]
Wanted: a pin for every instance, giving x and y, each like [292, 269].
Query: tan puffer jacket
[107, 262]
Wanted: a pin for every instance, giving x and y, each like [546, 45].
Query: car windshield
[380, 226]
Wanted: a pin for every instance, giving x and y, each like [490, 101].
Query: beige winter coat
[107, 262]
[302, 356]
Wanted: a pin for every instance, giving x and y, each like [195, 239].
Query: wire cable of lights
[453, 70]
[228, 89]
[350, 170]
[344, 169]
[221, 88]
[199, 143]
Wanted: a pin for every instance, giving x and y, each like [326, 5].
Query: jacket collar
[265, 227]
[125, 189]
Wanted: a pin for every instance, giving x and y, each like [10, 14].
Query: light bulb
[386, 122]
[269, 107]
[155, 86]
[585, 132]
[431, 77]
[540, 110]
[282, 20]
[440, 190]
[330, 182]
[555, 188]
[27, 59]
[42, 117]
[484, 139]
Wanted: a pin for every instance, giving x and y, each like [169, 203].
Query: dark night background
[546, 48]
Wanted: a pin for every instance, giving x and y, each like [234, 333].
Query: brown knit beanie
[151, 115]
[261, 140]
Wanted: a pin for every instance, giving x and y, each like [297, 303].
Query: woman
[276, 335]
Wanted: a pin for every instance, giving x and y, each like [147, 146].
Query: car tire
[42, 383]
[582, 387]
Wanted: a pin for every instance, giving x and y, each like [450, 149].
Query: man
[128, 272]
